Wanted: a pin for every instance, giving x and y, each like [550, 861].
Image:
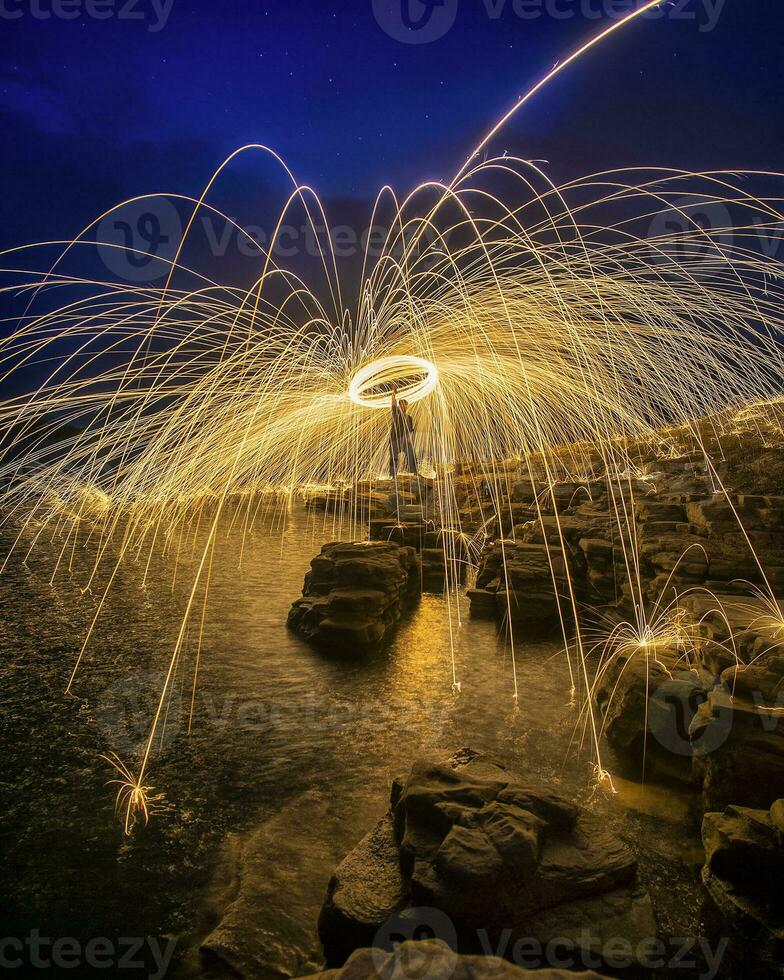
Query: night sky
[145, 99]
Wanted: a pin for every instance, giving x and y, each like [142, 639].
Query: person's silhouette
[401, 437]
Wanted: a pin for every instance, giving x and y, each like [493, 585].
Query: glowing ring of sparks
[387, 369]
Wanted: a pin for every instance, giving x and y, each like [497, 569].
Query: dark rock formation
[685, 536]
[647, 699]
[355, 592]
[735, 631]
[516, 581]
[737, 735]
[744, 865]
[408, 533]
[435, 960]
[443, 552]
[738, 750]
[496, 856]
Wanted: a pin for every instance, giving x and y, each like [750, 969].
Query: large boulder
[434, 960]
[499, 858]
[355, 593]
[744, 866]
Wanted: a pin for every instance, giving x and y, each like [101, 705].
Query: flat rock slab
[269, 929]
[434, 960]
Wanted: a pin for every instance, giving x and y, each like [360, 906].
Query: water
[273, 718]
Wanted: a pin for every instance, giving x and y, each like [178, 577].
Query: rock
[356, 904]
[361, 501]
[355, 593]
[521, 577]
[443, 552]
[444, 559]
[584, 522]
[647, 700]
[597, 549]
[713, 514]
[660, 509]
[738, 751]
[434, 959]
[685, 537]
[744, 864]
[754, 681]
[410, 534]
[266, 929]
[483, 603]
[499, 858]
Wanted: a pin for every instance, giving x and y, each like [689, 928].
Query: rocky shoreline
[688, 688]
[495, 858]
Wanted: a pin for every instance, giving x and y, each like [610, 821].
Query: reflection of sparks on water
[532, 318]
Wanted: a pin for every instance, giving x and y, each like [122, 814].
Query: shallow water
[272, 719]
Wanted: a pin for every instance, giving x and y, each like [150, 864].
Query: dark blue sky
[95, 110]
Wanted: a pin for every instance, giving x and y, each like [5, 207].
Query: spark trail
[521, 315]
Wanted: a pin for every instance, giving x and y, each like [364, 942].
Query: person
[401, 436]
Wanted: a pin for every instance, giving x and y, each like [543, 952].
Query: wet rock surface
[496, 856]
[434, 959]
[355, 593]
[744, 864]
[738, 750]
[647, 699]
[681, 533]
[266, 920]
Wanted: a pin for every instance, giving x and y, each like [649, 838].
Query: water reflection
[272, 718]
